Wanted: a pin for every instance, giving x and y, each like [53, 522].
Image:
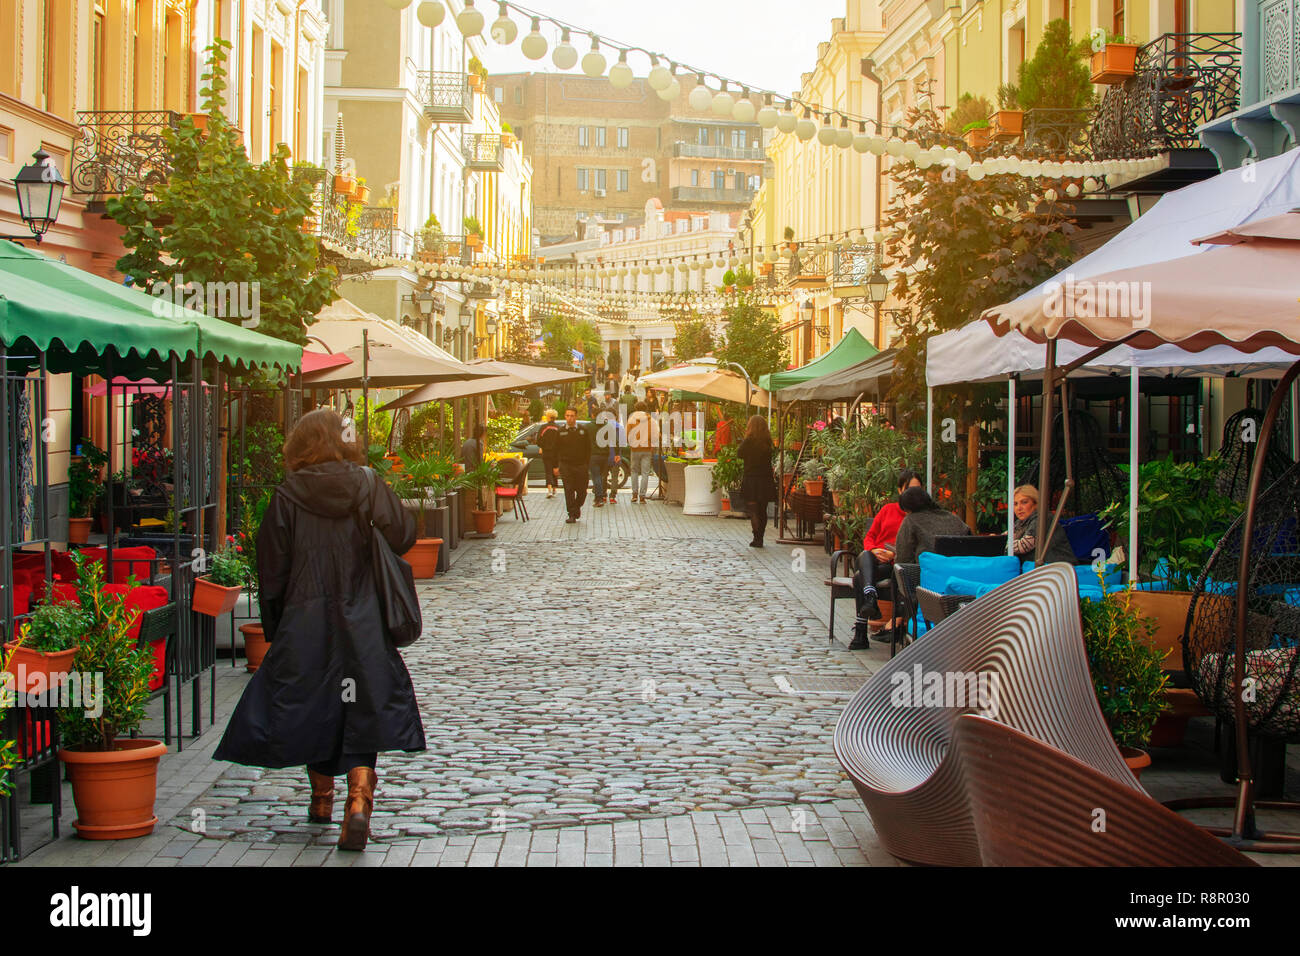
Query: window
[6, 145]
[499, 94]
[600, 179]
[695, 177]
[519, 96]
[719, 179]
[622, 137]
[702, 136]
[737, 139]
[720, 138]
[97, 60]
[622, 180]
[600, 136]
[582, 136]
[1119, 17]
[582, 180]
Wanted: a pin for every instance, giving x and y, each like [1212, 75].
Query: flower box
[977, 137]
[1114, 63]
[33, 662]
[213, 599]
[1007, 125]
[344, 185]
[474, 242]
[361, 194]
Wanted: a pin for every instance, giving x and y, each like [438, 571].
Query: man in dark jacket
[924, 522]
[574, 446]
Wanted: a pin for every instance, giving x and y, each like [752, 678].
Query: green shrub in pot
[1127, 670]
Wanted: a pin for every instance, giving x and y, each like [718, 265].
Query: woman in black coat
[332, 691]
[757, 484]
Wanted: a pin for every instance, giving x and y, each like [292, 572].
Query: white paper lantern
[826, 133]
[565, 56]
[911, 149]
[504, 30]
[469, 21]
[975, 172]
[1072, 190]
[844, 137]
[805, 128]
[700, 99]
[786, 122]
[862, 143]
[430, 13]
[534, 45]
[767, 116]
[659, 77]
[744, 110]
[594, 63]
[671, 91]
[620, 74]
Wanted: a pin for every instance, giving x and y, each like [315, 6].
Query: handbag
[395, 584]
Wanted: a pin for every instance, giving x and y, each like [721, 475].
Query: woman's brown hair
[757, 428]
[318, 437]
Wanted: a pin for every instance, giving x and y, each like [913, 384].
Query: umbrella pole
[1132, 473]
[1011, 463]
[365, 392]
[929, 440]
[1045, 453]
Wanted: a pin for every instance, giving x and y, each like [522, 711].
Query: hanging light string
[778, 111]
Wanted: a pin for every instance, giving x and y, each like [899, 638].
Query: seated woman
[877, 560]
[1025, 534]
[925, 521]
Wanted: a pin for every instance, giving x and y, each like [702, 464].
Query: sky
[765, 43]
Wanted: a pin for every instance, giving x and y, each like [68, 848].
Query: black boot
[861, 628]
[870, 609]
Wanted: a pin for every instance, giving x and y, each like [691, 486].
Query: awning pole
[1045, 453]
[1132, 473]
[1011, 462]
[929, 440]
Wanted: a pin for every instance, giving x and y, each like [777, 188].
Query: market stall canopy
[852, 349]
[1242, 294]
[706, 379]
[121, 384]
[319, 361]
[869, 378]
[503, 377]
[84, 323]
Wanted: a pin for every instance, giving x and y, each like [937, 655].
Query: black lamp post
[877, 291]
[40, 188]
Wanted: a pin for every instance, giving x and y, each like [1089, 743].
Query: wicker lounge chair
[1033, 805]
[1025, 640]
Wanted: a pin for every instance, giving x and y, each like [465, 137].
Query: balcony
[116, 150]
[449, 250]
[482, 152]
[362, 232]
[1181, 82]
[741, 154]
[445, 97]
[480, 290]
[708, 194]
[1057, 134]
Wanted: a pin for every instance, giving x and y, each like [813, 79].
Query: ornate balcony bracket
[116, 150]
[445, 97]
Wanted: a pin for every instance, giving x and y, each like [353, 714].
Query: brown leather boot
[356, 816]
[322, 798]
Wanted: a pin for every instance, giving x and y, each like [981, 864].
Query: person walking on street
[547, 437]
[590, 398]
[642, 439]
[320, 609]
[471, 452]
[616, 438]
[757, 484]
[573, 447]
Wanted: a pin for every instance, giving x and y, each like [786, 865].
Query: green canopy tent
[852, 349]
[57, 318]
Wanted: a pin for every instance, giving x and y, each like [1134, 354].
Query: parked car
[526, 443]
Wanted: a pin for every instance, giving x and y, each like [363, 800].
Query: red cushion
[146, 597]
[126, 561]
[507, 492]
[62, 566]
[22, 599]
[33, 735]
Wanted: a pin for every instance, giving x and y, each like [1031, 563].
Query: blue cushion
[1088, 578]
[1086, 535]
[973, 588]
[936, 569]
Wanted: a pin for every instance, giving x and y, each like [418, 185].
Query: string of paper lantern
[731, 98]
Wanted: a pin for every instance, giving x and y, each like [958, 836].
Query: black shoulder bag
[394, 582]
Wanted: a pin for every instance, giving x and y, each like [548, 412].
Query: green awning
[848, 351]
[80, 320]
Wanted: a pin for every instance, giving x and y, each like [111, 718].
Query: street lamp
[490, 325]
[40, 188]
[877, 291]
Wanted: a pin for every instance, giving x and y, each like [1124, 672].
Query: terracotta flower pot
[1006, 125]
[213, 599]
[837, 498]
[79, 530]
[255, 645]
[813, 487]
[114, 790]
[1137, 760]
[474, 242]
[423, 557]
[1114, 63]
[36, 662]
[344, 185]
[484, 521]
[361, 194]
[977, 137]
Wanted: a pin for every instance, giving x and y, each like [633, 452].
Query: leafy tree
[970, 110]
[563, 336]
[693, 339]
[753, 339]
[220, 218]
[1056, 76]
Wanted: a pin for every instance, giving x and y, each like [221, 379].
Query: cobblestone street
[639, 687]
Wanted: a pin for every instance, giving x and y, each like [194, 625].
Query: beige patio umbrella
[707, 379]
[501, 377]
[1244, 293]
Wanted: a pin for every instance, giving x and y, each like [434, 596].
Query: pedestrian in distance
[333, 691]
[547, 438]
[642, 439]
[757, 484]
[573, 447]
[471, 452]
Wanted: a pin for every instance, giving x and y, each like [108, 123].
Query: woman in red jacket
[877, 559]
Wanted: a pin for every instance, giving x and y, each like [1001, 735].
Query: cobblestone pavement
[635, 689]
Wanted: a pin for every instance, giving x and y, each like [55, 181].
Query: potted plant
[482, 478]
[976, 134]
[344, 184]
[1008, 123]
[728, 472]
[432, 246]
[813, 472]
[251, 513]
[421, 483]
[1127, 672]
[789, 238]
[478, 75]
[84, 491]
[217, 592]
[729, 281]
[114, 779]
[47, 643]
[507, 135]
[473, 233]
[1115, 62]
[361, 192]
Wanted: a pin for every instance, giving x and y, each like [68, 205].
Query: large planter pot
[255, 645]
[423, 557]
[114, 790]
[1169, 609]
[813, 487]
[79, 530]
[344, 185]
[213, 599]
[1006, 125]
[1114, 63]
[25, 662]
[1137, 760]
[676, 491]
[474, 242]
[484, 521]
[977, 137]
[361, 194]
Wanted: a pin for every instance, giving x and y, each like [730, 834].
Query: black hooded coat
[331, 682]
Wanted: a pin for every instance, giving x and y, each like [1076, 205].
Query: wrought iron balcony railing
[482, 152]
[117, 149]
[1057, 134]
[740, 153]
[711, 194]
[1181, 81]
[443, 249]
[445, 97]
[852, 266]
